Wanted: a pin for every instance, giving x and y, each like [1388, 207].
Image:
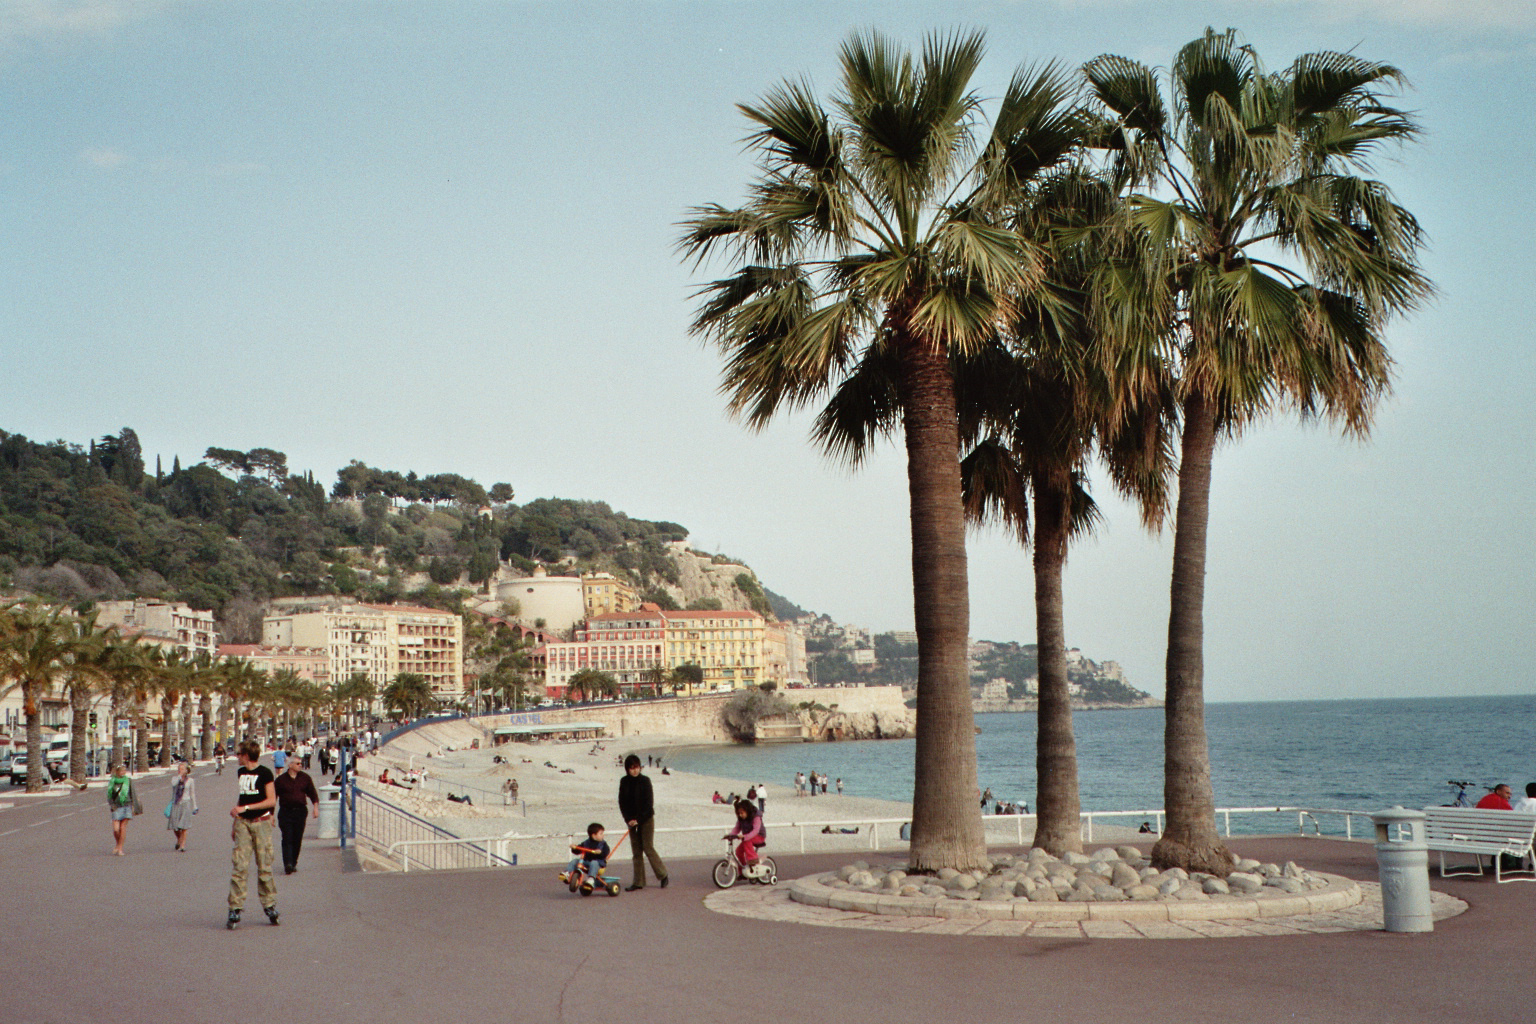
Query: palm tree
[409, 694]
[1281, 267]
[590, 683]
[35, 647]
[93, 654]
[876, 231]
[175, 671]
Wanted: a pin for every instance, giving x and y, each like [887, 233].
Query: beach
[582, 787]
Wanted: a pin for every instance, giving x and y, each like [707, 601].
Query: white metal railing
[495, 850]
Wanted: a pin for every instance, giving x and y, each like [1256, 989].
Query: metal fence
[413, 842]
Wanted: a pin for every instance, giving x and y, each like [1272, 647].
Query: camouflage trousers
[252, 839]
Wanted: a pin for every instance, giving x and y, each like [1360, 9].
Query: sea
[1358, 755]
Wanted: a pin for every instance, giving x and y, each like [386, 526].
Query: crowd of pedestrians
[817, 783]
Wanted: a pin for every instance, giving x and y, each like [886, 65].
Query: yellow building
[603, 593]
[727, 645]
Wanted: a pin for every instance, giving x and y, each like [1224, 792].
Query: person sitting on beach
[1498, 799]
[749, 826]
[1527, 803]
[717, 798]
[384, 778]
[591, 854]
[1146, 828]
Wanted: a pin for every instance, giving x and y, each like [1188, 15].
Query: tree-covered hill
[82, 523]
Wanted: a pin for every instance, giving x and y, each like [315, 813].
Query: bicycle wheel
[725, 873]
[771, 875]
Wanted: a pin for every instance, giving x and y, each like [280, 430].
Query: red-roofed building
[726, 645]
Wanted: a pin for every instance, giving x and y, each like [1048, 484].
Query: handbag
[168, 808]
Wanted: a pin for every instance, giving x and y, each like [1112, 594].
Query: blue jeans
[590, 868]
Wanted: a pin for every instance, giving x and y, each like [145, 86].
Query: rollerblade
[271, 914]
[233, 921]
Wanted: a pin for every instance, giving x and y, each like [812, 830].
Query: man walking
[762, 798]
[252, 833]
[637, 805]
[295, 790]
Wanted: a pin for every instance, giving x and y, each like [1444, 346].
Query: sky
[440, 236]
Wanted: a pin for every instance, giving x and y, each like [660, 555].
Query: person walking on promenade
[178, 813]
[218, 759]
[295, 790]
[252, 833]
[279, 759]
[637, 805]
[123, 802]
[762, 798]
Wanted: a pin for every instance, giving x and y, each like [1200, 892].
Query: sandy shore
[582, 787]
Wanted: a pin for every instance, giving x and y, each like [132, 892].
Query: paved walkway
[85, 936]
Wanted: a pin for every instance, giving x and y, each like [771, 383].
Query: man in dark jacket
[637, 805]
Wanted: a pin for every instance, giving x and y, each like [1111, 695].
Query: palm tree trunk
[79, 718]
[1058, 827]
[946, 818]
[167, 729]
[1190, 841]
[205, 708]
[186, 725]
[117, 741]
[37, 771]
[141, 751]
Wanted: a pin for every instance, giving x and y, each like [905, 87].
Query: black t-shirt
[253, 783]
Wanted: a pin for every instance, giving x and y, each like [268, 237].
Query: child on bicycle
[591, 854]
[749, 826]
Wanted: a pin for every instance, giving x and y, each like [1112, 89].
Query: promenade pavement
[85, 936]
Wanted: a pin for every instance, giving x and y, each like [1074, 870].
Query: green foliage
[748, 585]
[705, 604]
[744, 710]
[782, 607]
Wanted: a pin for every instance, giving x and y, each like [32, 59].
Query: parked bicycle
[1461, 798]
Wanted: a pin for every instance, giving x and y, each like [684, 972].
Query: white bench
[1482, 833]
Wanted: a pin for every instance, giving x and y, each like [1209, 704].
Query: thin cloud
[106, 158]
[1460, 15]
[42, 19]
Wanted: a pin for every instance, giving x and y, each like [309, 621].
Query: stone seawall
[1031, 704]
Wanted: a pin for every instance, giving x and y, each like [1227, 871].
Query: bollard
[1403, 866]
[330, 813]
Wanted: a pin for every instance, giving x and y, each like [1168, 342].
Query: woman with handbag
[123, 801]
[183, 804]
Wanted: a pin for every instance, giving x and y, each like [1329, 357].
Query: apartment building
[311, 663]
[379, 640]
[163, 623]
[784, 654]
[626, 645]
[602, 593]
[727, 645]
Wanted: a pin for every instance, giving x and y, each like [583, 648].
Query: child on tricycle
[589, 859]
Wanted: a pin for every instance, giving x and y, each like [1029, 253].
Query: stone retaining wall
[1340, 893]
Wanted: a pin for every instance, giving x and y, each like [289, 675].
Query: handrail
[493, 848]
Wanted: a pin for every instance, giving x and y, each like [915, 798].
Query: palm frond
[995, 489]
[1130, 89]
[864, 408]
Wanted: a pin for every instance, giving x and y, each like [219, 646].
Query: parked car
[56, 769]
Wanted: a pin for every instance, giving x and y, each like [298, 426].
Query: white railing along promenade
[504, 849]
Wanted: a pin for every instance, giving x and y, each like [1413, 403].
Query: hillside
[84, 523]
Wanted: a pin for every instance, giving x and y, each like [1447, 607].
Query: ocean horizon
[1346, 754]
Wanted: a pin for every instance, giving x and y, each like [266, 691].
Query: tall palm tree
[175, 672]
[876, 230]
[1282, 266]
[92, 656]
[35, 648]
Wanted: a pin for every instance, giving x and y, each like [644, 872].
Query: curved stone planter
[1340, 893]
